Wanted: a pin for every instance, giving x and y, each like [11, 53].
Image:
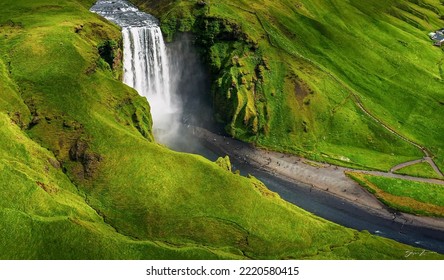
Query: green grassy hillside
[293, 76]
[81, 178]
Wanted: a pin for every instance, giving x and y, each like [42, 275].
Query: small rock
[55, 163]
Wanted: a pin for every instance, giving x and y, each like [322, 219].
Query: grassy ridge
[81, 178]
[44, 216]
[288, 75]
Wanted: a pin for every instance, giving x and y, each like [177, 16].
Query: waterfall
[146, 69]
[145, 60]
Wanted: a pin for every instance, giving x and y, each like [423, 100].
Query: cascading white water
[146, 69]
[145, 60]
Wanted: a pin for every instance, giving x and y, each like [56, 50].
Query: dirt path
[405, 164]
[325, 177]
[434, 166]
[413, 162]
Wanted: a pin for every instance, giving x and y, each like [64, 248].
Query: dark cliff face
[111, 52]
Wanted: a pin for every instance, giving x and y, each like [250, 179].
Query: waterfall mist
[191, 86]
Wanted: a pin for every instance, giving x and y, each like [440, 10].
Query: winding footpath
[413, 162]
[428, 158]
[405, 164]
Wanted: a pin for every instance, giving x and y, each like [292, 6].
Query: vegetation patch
[422, 169]
[224, 163]
[403, 195]
[111, 56]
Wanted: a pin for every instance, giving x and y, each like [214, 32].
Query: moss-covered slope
[299, 76]
[80, 176]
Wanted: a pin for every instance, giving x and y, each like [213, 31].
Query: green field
[403, 195]
[290, 75]
[81, 178]
[422, 169]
